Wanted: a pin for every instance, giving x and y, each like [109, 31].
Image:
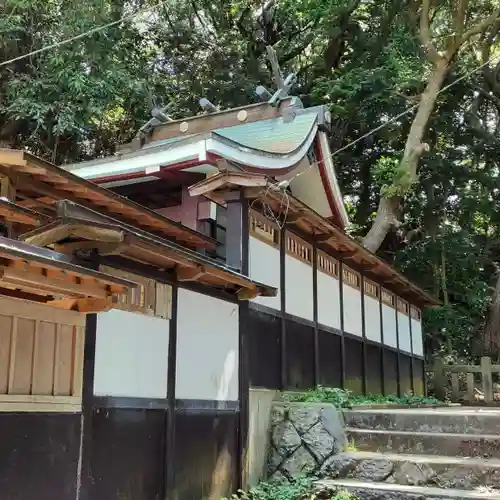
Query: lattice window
[298, 248]
[149, 297]
[371, 289]
[328, 264]
[351, 277]
[263, 229]
[416, 313]
[388, 298]
[403, 306]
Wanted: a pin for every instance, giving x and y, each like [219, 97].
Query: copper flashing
[42, 184]
[299, 216]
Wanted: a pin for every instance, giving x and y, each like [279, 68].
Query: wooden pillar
[84, 476]
[412, 366]
[283, 307]
[342, 338]
[364, 369]
[398, 363]
[382, 366]
[234, 232]
[169, 442]
[317, 374]
[243, 363]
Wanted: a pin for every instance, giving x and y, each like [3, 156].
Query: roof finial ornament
[283, 85]
[159, 116]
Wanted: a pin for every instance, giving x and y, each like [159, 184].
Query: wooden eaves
[299, 217]
[21, 215]
[41, 184]
[78, 229]
[42, 275]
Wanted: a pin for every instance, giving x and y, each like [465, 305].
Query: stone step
[462, 420]
[416, 470]
[366, 490]
[430, 443]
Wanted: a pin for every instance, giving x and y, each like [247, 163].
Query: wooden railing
[464, 375]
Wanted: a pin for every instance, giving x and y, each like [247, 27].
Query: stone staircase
[419, 454]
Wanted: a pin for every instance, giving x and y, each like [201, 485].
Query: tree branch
[478, 28]
[425, 33]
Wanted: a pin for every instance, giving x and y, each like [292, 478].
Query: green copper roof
[274, 135]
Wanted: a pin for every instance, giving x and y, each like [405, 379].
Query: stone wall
[305, 437]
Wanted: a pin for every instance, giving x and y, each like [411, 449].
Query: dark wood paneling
[354, 365]
[206, 456]
[330, 359]
[299, 355]
[390, 372]
[127, 457]
[262, 336]
[405, 373]
[39, 456]
[373, 369]
[419, 376]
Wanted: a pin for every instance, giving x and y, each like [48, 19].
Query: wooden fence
[465, 375]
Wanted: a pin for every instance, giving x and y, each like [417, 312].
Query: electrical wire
[56, 45]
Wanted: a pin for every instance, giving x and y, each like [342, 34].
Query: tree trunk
[407, 172]
[491, 336]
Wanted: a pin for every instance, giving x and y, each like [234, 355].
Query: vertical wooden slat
[5, 347]
[163, 308]
[76, 389]
[12, 354]
[23, 360]
[63, 361]
[43, 365]
[470, 387]
[439, 379]
[455, 389]
[487, 379]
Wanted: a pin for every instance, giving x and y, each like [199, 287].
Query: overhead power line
[56, 45]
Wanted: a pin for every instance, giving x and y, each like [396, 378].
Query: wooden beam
[102, 247]
[324, 238]
[222, 119]
[189, 274]
[88, 305]
[33, 280]
[296, 217]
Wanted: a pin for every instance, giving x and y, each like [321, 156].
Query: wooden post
[439, 379]
[455, 388]
[470, 387]
[487, 379]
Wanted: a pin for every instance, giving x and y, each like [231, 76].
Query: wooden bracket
[189, 274]
[248, 293]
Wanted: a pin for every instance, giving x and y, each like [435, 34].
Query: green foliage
[300, 489]
[345, 399]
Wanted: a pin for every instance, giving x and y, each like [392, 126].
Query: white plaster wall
[417, 337]
[131, 355]
[404, 332]
[353, 322]
[328, 300]
[264, 266]
[299, 288]
[207, 348]
[372, 319]
[389, 324]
